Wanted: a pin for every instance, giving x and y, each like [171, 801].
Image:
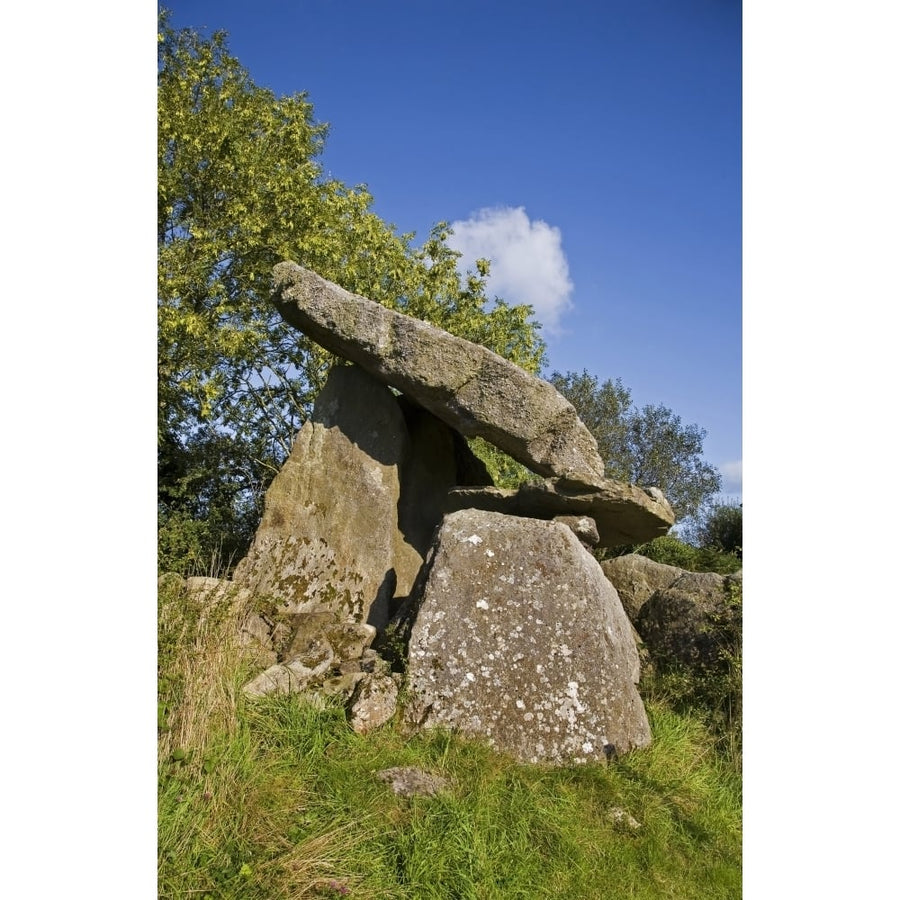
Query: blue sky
[592, 150]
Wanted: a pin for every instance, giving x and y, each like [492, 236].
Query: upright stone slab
[329, 537]
[520, 638]
[470, 388]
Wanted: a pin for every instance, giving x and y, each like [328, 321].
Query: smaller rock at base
[637, 578]
[408, 781]
[205, 589]
[350, 639]
[290, 678]
[255, 630]
[313, 654]
[374, 702]
[307, 631]
[691, 622]
[623, 820]
[341, 685]
[371, 661]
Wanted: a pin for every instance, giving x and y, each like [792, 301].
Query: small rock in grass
[408, 781]
[622, 819]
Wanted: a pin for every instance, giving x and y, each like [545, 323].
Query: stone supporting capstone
[624, 513]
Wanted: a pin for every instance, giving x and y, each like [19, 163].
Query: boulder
[520, 638]
[303, 631]
[207, 590]
[692, 621]
[373, 703]
[623, 513]
[408, 781]
[637, 578]
[321, 654]
[329, 538]
[467, 386]
[256, 635]
[341, 685]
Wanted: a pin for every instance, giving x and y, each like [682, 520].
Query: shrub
[191, 545]
[673, 551]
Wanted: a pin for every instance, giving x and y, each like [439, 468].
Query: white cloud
[527, 260]
[732, 477]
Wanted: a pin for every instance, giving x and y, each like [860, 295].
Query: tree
[721, 528]
[239, 190]
[648, 446]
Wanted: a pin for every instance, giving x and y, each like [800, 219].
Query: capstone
[473, 390]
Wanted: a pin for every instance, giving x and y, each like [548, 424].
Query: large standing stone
[329, 537]
[351, 514]
[520, 638]
[472, 389]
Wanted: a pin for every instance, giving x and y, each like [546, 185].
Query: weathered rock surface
[470, 388]
[624, 513]
[408, 781]
[294, 676]
[374, 702]
[623, 820]
[302, 631]
[637, 578]
[205, 589]
[348, 640]
[329, 538]
[583, 527]
[691, 621]
[351, 513]
[320, 654]
[521, 639]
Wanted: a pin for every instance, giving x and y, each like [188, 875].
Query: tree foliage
[239, 190]
[648, 446]
[721, 528]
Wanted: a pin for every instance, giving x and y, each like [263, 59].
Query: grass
[276, 798]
